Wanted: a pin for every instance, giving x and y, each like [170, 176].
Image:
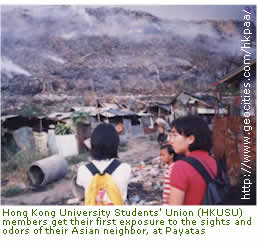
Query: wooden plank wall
[228, 141]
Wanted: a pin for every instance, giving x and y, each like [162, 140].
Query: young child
[167, 156]
[119, 128]
[162, 136]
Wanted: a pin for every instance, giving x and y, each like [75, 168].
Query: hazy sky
[188, 12]
[195, 12]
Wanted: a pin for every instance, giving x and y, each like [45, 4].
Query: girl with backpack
[190, 136]
[104, 167]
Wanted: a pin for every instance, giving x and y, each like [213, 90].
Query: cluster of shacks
[222, 110]
[25, 132]
[31, 132]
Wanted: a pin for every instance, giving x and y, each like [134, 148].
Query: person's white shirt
[121, 175]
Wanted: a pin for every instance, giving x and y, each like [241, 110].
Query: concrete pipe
[47, 170]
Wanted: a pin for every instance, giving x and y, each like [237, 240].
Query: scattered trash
[4, 182]
[145, 187]
[74, 201]
[135, 199]
[66, 197]
[148, 185]
[157, 186]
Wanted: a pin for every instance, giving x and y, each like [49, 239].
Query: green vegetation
[20, 161]
[8, 147]
[12, 191]
[80, 117]
[62, 129]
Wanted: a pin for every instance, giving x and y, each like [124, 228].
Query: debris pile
[145, 187]
[55, 59]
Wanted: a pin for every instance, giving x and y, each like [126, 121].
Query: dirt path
[138, 149]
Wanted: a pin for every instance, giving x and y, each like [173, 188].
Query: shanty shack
[37, 123]
[134, 123]
[161, 110]
[236, 90]
[32, 133]
[24, 133]
[203, 105]
[233, 86]
[147, 122]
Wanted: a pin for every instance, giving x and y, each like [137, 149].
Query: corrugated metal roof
[119, 112]
[105, 111]
[92, 111]
[141, 114]
[211, 111]
[204, 99]
[232, 74]
[110, 105]
[59, 116]
[164, 106]
[3, 118]
[107, 114]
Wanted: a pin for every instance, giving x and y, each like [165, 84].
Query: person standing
[190, 136]
[104, 150]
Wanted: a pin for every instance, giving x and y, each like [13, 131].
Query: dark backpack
[217, 186]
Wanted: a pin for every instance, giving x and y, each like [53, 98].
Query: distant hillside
[53, 55]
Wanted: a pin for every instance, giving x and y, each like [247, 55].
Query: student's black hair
[170, 150]
[194, 125]
[104, 142]
[116, 121]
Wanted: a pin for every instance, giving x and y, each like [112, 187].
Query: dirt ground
[138, 150]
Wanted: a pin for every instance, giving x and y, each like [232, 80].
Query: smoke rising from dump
[67, 48]
[9, 68]
[33, 22]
